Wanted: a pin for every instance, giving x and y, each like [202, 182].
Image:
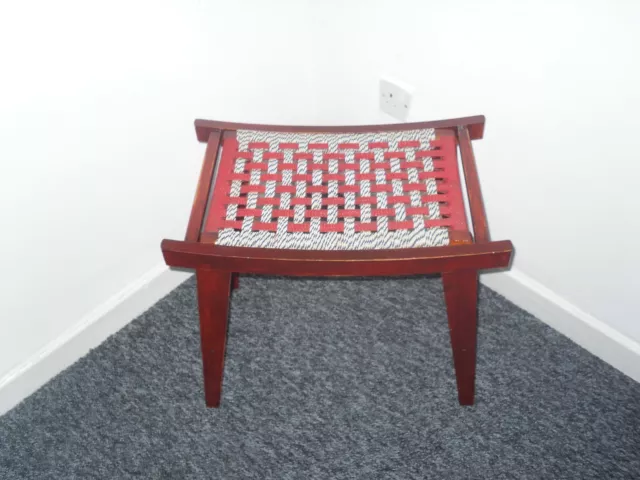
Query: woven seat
[377, 200]
[336, 191]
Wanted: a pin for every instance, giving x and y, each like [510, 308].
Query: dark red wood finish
[414, 261]
[461, 297]
[218, 267]
[213, 305]
[476, 205]
[204, 186]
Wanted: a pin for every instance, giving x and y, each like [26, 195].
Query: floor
[329, 379]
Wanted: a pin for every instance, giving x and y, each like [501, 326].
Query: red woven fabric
[442, 151]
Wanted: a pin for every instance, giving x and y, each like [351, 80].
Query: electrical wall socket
[395, 98]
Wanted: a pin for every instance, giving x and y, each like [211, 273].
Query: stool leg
[235, 281]
[461, 297]
[213, 304]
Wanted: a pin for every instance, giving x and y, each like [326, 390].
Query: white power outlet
[395, 98]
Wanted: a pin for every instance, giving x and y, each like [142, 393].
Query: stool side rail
[475, 125]
[412, 261]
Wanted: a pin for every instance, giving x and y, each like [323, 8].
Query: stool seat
[375, 200]
[336, 191]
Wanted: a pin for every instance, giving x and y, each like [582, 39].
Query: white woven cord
[418, 236]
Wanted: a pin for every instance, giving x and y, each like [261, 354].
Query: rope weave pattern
[343, 191]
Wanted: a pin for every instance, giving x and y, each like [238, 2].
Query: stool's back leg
[461, 296]
[235, 281]
[213, 304]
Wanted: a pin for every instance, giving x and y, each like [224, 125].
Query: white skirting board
[611, 346]
[88, 333]
[618, 350]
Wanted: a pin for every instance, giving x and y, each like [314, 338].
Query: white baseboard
[618, 350]
[88, 333]
[592, 334]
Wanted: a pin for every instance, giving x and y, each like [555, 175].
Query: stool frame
[217, 267]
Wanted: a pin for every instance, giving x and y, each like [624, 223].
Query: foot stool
[338, 201]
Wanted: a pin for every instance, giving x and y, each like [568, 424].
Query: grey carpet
[329, 379]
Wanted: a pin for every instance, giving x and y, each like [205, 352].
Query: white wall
[98, 154]
[558, 82]
[99, 161]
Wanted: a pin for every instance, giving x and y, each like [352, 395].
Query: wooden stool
[337, 201]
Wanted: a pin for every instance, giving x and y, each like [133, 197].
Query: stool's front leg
[213, 303]
[461, 296]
